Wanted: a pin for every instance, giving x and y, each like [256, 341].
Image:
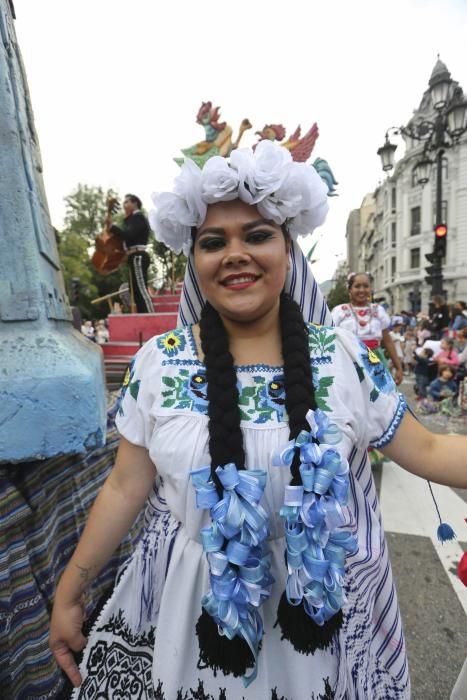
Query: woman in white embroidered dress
[367, 320]
[237, 424]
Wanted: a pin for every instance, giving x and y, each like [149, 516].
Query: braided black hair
[226, 445]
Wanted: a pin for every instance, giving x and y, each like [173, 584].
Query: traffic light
[433, 271]
[75, 290]
[441, 234]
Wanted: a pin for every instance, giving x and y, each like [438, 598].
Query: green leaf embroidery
[360, 372]
[168, 403]
[322, 404]
[244, 416]
[374, 394]
[134, 388]
[248, 391]
[168, 381]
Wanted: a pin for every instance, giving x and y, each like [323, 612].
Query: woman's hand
[398, 375]
[65, 636]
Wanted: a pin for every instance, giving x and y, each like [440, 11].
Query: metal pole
[439, 187]
[437, 284]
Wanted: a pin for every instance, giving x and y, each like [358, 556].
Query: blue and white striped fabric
[300, 284]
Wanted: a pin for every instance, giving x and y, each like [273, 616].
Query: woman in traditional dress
[367, 320]
[263, 570]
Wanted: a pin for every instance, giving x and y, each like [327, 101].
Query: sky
[116, 85]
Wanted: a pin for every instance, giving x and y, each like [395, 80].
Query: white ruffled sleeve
[133, 418]
[337, 315]
[384, 318]
[365, 392]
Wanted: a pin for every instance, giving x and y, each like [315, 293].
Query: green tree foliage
[169, 266]
[339, 294]
[86, 208]
[85, 212]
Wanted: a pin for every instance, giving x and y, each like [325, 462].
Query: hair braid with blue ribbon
[230, 627]
[301, 624]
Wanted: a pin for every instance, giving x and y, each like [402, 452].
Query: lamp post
[438, 134]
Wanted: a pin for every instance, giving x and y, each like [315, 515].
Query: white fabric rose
[166, 223]
[219, 181]
[241, 160]
[315, 205]
[260, 173]
[290, 197]
[188, 186]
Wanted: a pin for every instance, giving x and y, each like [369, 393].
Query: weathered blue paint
[52, 392]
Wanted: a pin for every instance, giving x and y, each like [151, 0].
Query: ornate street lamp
[457, 116]
[444, 131]
[387, 154]
[423, 170]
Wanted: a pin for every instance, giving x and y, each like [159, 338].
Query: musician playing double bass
[135, 233]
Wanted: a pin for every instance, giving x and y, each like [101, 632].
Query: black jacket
[135, 230]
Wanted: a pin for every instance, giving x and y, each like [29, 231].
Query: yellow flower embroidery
[373, 357]
[171, 343]
[126, 380]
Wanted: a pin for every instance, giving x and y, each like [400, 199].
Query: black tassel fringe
[300, 630]
[231, 656]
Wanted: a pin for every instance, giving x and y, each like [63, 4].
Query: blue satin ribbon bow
[239, 572]
[315, 547]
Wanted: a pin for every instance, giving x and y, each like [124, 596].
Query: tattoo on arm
[84, 574]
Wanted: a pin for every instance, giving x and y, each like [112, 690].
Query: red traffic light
[441, 230]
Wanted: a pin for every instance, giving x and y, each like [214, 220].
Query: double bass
[109, 253]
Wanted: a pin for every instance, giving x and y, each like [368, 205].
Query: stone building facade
[397, 221]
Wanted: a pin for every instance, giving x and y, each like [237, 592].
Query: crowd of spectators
[433, 347]
[97, 331]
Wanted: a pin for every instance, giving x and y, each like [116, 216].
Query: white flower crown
[282, 190]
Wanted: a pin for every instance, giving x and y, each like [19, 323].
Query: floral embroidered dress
[366, 322]
[143, 644]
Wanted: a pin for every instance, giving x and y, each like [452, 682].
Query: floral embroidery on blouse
[264, 401]
[172, 343]
[258, 402]
[128, 385]
[321, 342]
[376, 370]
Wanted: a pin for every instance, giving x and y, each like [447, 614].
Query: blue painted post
[52, 392]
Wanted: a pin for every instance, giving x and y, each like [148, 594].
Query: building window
[415, 221]
[414, 258]
[393, 199]
[414, 177]
[393, 235]
[444, 213]
[393, 269]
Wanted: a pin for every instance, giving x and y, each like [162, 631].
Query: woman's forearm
[438, 458]
[116, 508]
[110, 519]
[391, 350]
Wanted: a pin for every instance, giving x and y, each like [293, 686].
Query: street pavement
[432, 599]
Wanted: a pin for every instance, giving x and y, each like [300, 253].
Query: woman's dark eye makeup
[211, 243]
